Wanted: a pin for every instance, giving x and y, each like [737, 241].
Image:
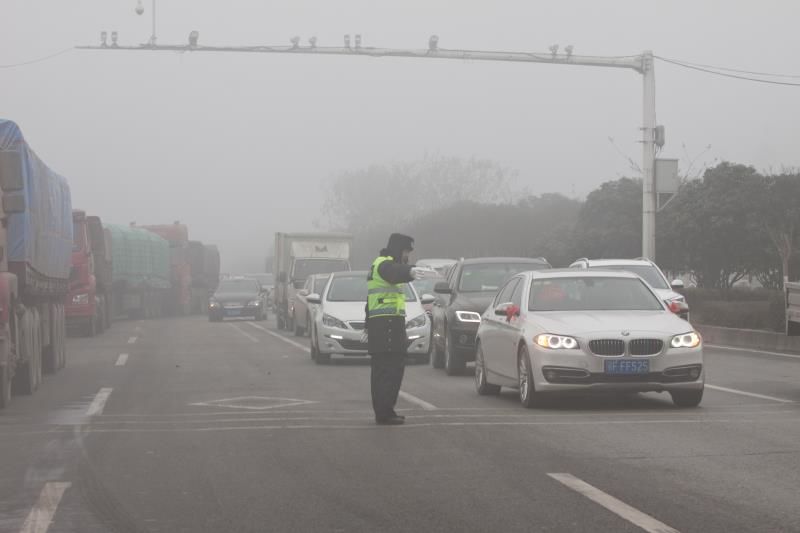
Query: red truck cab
[87, 306]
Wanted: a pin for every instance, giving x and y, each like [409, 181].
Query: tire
[5, 374]
[308, 325]
[437, 355]
[314, 350]
[687, 398]
[422, 359]
[298, 331]
[62, 352]
[322, 358]
[528, 396]
[90, 329]
[454, 364]
[482, 386]
[214, 318]
[281, 322]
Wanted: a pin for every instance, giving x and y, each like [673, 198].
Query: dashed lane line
[616, 506]
[750, 394]
[753, 350]
[419, 402]
[132, 340]
[121, 360]
[99, 402]
[41, 516]
[410, 398]
[243, 332]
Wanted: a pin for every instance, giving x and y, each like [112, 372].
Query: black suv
[461, 300]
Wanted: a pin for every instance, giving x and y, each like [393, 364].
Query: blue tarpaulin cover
[41, 235]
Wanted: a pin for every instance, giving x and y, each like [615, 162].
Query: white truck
[299, 255]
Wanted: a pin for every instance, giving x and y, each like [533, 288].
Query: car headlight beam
[555, 342]
[686, 340]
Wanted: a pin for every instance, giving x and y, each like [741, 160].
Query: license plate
[233, 312]
[627, 366]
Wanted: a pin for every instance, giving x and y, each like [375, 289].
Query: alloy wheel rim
[523, 379]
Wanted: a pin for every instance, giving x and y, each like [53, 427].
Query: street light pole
[643, 64]
[648, 157]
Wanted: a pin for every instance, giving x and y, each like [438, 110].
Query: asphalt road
[230, 426]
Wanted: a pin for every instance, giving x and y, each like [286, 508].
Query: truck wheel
[454, 364]
[5, 375]
[25, 381]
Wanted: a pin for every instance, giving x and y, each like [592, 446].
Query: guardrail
[792, 308]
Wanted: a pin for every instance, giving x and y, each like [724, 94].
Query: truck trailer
[299, 255]
[88, 304]
[179, 299]
[140, 273]
[36, 243]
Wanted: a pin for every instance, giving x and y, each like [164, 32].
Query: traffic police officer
[386, 324]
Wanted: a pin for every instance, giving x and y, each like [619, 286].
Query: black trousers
[386, 378]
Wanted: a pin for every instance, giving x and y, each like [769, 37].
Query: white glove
[364, 337]
[423, 273]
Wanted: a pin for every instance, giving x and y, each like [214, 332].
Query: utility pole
[642, 63]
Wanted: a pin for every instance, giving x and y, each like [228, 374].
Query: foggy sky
[239, 145]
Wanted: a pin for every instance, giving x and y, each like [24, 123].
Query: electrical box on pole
[667, 180]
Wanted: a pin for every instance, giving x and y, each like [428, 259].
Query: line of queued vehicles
[63, 270]
[609, 325]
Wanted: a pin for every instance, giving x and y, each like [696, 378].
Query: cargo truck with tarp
[35, 257]
[204, 266]
[88, 304]
[140, 272]
[299, 255]
[179, 299]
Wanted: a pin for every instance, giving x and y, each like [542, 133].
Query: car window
[516, 297]
[354, 289]
[238, 285]
[651, 274]
[504, 296]
[592, 294]
[319, 284]
[489, 277]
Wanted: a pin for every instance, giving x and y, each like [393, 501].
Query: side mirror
[427, 299]
[314, 298]
[442, 287]
[282, 277]
[506, 309]
[677, 284]
[303, 292]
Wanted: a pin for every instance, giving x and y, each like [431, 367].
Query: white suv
[645, 269]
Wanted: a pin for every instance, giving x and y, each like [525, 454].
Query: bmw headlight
[333, 322]
[80, 299]
[555, 342]
[417, 322]
[468, 316]
[686, 340]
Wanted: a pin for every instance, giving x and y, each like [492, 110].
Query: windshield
[238, 285]
[649, 273]
[425, 286]
[354, 289]
[319, 284]
[489, 277]
[592, 294]
[307, 267]
[266, 280]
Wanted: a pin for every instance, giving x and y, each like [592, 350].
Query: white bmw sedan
[338, 324]
[557, 331]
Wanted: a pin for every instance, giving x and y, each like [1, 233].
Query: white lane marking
[410, 398]
[99, 402]
[243, 332]
[132, 340]
[618, 507]
[752, 350]
[281, 337]
[751, 394]
[41, 516]
[122, 359]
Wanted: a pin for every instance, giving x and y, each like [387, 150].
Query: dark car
[238, 297]
[461, 300]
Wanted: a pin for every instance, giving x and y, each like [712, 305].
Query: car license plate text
[627, 366]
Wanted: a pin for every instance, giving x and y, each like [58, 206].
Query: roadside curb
[750, 338]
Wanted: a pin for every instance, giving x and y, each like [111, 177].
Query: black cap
[399, 243]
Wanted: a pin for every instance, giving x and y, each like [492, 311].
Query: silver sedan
[563, 331]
